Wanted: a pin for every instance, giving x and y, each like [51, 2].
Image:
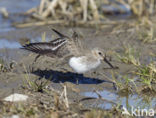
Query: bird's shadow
[58, 76]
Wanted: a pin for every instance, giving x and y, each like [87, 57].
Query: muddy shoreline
[44, 81]
[95, 38]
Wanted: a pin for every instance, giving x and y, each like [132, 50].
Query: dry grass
[33, 110]
[89, 8]
[82, 12]
[58, 106]
[142, 7]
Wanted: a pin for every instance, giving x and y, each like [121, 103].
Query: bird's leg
[76, 77]
[114, 67]
[35, 60]
[64, 60]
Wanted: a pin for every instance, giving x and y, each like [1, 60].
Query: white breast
[80, 66]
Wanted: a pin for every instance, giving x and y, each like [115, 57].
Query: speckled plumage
[80, 60]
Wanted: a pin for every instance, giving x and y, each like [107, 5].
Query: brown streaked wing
[74, 45]
[44, 48]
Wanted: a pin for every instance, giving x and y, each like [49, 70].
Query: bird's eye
[100, 53]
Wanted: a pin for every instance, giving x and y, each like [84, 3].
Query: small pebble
[16, 97]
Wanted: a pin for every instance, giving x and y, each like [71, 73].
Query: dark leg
[35, 61]
[36, 58]
[76, 77]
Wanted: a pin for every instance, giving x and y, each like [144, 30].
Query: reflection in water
[129, 101]
[7, 44]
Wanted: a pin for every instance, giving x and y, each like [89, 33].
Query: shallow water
[13, 7]
[5, 25]
[9, 44]
[128, 102]
[18, 6]
[10, 50]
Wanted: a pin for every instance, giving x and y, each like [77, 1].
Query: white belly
[79, 66]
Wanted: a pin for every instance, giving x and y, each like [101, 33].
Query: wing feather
[58, 47]
[44, 48]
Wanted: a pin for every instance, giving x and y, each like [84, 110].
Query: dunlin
[80, 60]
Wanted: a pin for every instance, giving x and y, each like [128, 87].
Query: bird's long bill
[105, 59]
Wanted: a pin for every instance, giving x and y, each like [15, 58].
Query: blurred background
[72, 12]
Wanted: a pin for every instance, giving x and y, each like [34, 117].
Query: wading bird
[80, 60]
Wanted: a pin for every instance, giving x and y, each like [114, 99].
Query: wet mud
[85, 89]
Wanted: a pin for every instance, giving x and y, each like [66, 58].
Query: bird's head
[98, 53]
